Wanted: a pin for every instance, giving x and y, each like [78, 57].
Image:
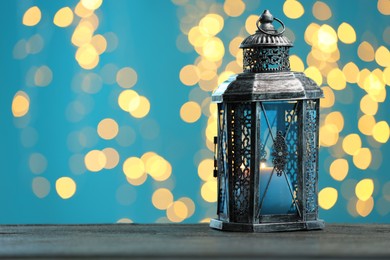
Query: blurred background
[105, 112]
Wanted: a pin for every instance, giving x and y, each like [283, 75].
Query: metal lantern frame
[267, 114]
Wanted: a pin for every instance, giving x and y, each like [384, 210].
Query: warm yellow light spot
[205, 169]
[162, 198]
[329, 135]
[382, 56]
[43, 76]
[209, 191]
[213, 49]
[375, 86]
[99, 42]
[211, 24]
[126, 77]
[63, 17]
[81, 11]
[381, 132]
[314, 74]
[124, 220]
[336, 119]
[368, 105]
[293, 9]
[138, 181]
[196, 37]
[37, 163]
[234, 8]
[366, 124]
[40, 187]
[339, 169]
[362, 158]
[326, 38]
[189, 75]
[107, 128]
[235, 44]
[328, 100]
[363, 74]
[112, 157]
[91, 4]
[321, 11]
[129, 100]
[224, 76]
[364, 208]
[133, 167]
[346, 33]
[82, 34]
[20, 104]
[66, 187]
[351, 72]
[296, 63]
[352, 144]
[384, 7]
[190, 112]
[142, 109]
[87, 56]
[366, 52]
[250, 24]
[310, 33]
[327, 198]
[386, 76]
[95, 160]
[189, 204]
[364, 189]
[177, 211]
[32, 16]
[336, 79]
[234, 67]
[156, 166]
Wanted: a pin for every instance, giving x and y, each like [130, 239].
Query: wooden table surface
[169, 241]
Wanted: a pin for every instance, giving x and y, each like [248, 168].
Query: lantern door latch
[215, 157]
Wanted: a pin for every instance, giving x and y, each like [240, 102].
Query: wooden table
[191, 241]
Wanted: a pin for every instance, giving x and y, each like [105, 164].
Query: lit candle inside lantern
[278, 199]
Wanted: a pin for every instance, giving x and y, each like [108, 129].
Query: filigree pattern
[266, 59]
[311, 151]
[280, 153]
[292, 158]
[241, 147]
[222, 161]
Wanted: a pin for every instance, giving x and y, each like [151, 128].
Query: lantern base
[267, 227]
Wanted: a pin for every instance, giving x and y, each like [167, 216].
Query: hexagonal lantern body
[266, 160]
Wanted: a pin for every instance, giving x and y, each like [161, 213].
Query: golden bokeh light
[381, 132]
[156, 166]
[32, 16]
[213, 49]
[137, 181]
[310, 33]
[234, 46]
[211, 24]
[133, 167]
[20, 104]
[37, 163]
[336, 79]
[190, 112]
[209, 191]
[314, 74]
[40, 187]
[362, 158]
[162, 198]
[124, 220]
[384, 7]
[335, 118]
[250, 24]
[87, 56]
[112, 157]
[99, 42]
[142, 109]
[82, 34]
[66, 187]
[107, 128]
[129, 100]
[366, 123]
[63, 17]
[293, 9]
[368, 105]
[95, 160]
[234, 8]
[329, 98]
[189, 204]
[352, 144]
[364, 189]
[329, 135]
[321, 11]
[382, 56]
[339, 169]
[81, 11]
[351, 72]
[326, 39]
[189, 75]
[91, 4]
[126, 77]
[366, 52]
[43, 76]
[346, 33]
[327, 198]
[205, 169]
[177, 211]
[296, 63]
[364, 208]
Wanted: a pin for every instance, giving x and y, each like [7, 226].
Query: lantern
[266, 158]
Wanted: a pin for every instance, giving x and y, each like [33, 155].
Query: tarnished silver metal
[267, 145]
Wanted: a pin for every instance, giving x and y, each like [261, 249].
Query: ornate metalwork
[280, 153]
[222, 163]
[310, 155]
[266, 59]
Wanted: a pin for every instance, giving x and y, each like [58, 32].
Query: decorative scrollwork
[266, 59]
[280, 153]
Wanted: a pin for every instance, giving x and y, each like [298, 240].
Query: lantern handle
[276, 33]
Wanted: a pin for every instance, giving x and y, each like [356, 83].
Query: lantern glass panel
[278, 183]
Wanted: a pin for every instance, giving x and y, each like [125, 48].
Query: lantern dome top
[266, 34]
